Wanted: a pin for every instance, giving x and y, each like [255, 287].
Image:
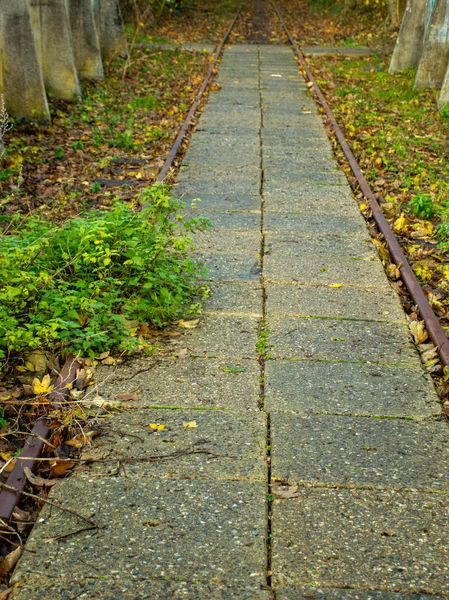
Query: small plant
[95, 187]
[422, 206]
[78, 145]
[87, 285]
[5, 126]
[59, 152]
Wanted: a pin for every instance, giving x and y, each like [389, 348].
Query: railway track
[15, 484]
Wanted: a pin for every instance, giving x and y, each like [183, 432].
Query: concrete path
[300, 434]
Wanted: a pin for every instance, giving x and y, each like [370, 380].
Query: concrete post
[110, 29]
[51, 27]
[409, 44]
[444, 94]
[85, 39]
[435, 55]
[21, 81]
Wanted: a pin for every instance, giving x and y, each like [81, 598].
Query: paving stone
[126, 588]
[310, 200]
[236, 220]
[292, 133]
[237, 297]
[382, 540]
[206, 187]
[224, 445]
[184, 382]
[230, 267]
[224, 202]
[359, 451]
[279, 178]
[240, 242]
[326, 270]
[295, 246]
[349, 389]
[326, 339]
[199, 158]
[186, 529]
[220, 173]
[276, 147]
[371, 304]
[293, 592]
[223, 336]
[324, 224]
[299, 163]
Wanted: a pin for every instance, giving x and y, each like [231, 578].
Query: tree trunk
[54, 44]
[435, 55]
[21, 81]
[396, 9]
[409, 44]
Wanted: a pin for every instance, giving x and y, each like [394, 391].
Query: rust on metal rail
[35, 442]
[433, 325]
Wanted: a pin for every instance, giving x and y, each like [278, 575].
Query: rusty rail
[35, 442]
[433, 325]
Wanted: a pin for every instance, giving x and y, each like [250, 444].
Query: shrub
[86, 285]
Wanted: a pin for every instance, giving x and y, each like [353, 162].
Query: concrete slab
[230, 267]
[205, 187]
[223, 446]
[326, 270]
[370, 304]
[184, 382]
[322, 224]
[349, 389]
[220, 173]
[326, 339]
[225, 202]
[246, 243]
[241, 297]
[235, 220]
[128, 589]
[293, 592]
[296, 246]
[316, 203]
[186, 529]
[375, 540]
[200, 158]
[359, 452]
[279, 178]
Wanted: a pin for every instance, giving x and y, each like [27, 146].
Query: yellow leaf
[156, 426]
[29, 366]
[188, 324]
[190, 424]
[43, 387]
[363, 207]
[400, 224]
[418, 330]
[335, 285]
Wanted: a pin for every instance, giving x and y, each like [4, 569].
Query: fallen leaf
[61, 467]
[335, 285]
[79, 441]
[156, 426]
[393, 271]
[418, 331]
[190, 424]
[188, 324]
[401, 223]
[10, 560]
[40, 388]
[287, 492]
[126, 397]
[38, 481]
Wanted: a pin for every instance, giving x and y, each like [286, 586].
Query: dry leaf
[61, 467]
[190, 424]
[10, 560]
[335, 285]
[287, 492]
[79, 441]
[40, 388]
[188, 324]
[418, 331]
[393, 271]
[128, 396]
[36, 480]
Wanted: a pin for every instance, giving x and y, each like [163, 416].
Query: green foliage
[422, 206]
[86, 285]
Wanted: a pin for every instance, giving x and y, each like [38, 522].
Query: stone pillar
[409, 44]
[85, 39]
[51, 26]
[110, 29]
[21, 80]
[435, 54]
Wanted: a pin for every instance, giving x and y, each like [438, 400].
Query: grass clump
[88, 284]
